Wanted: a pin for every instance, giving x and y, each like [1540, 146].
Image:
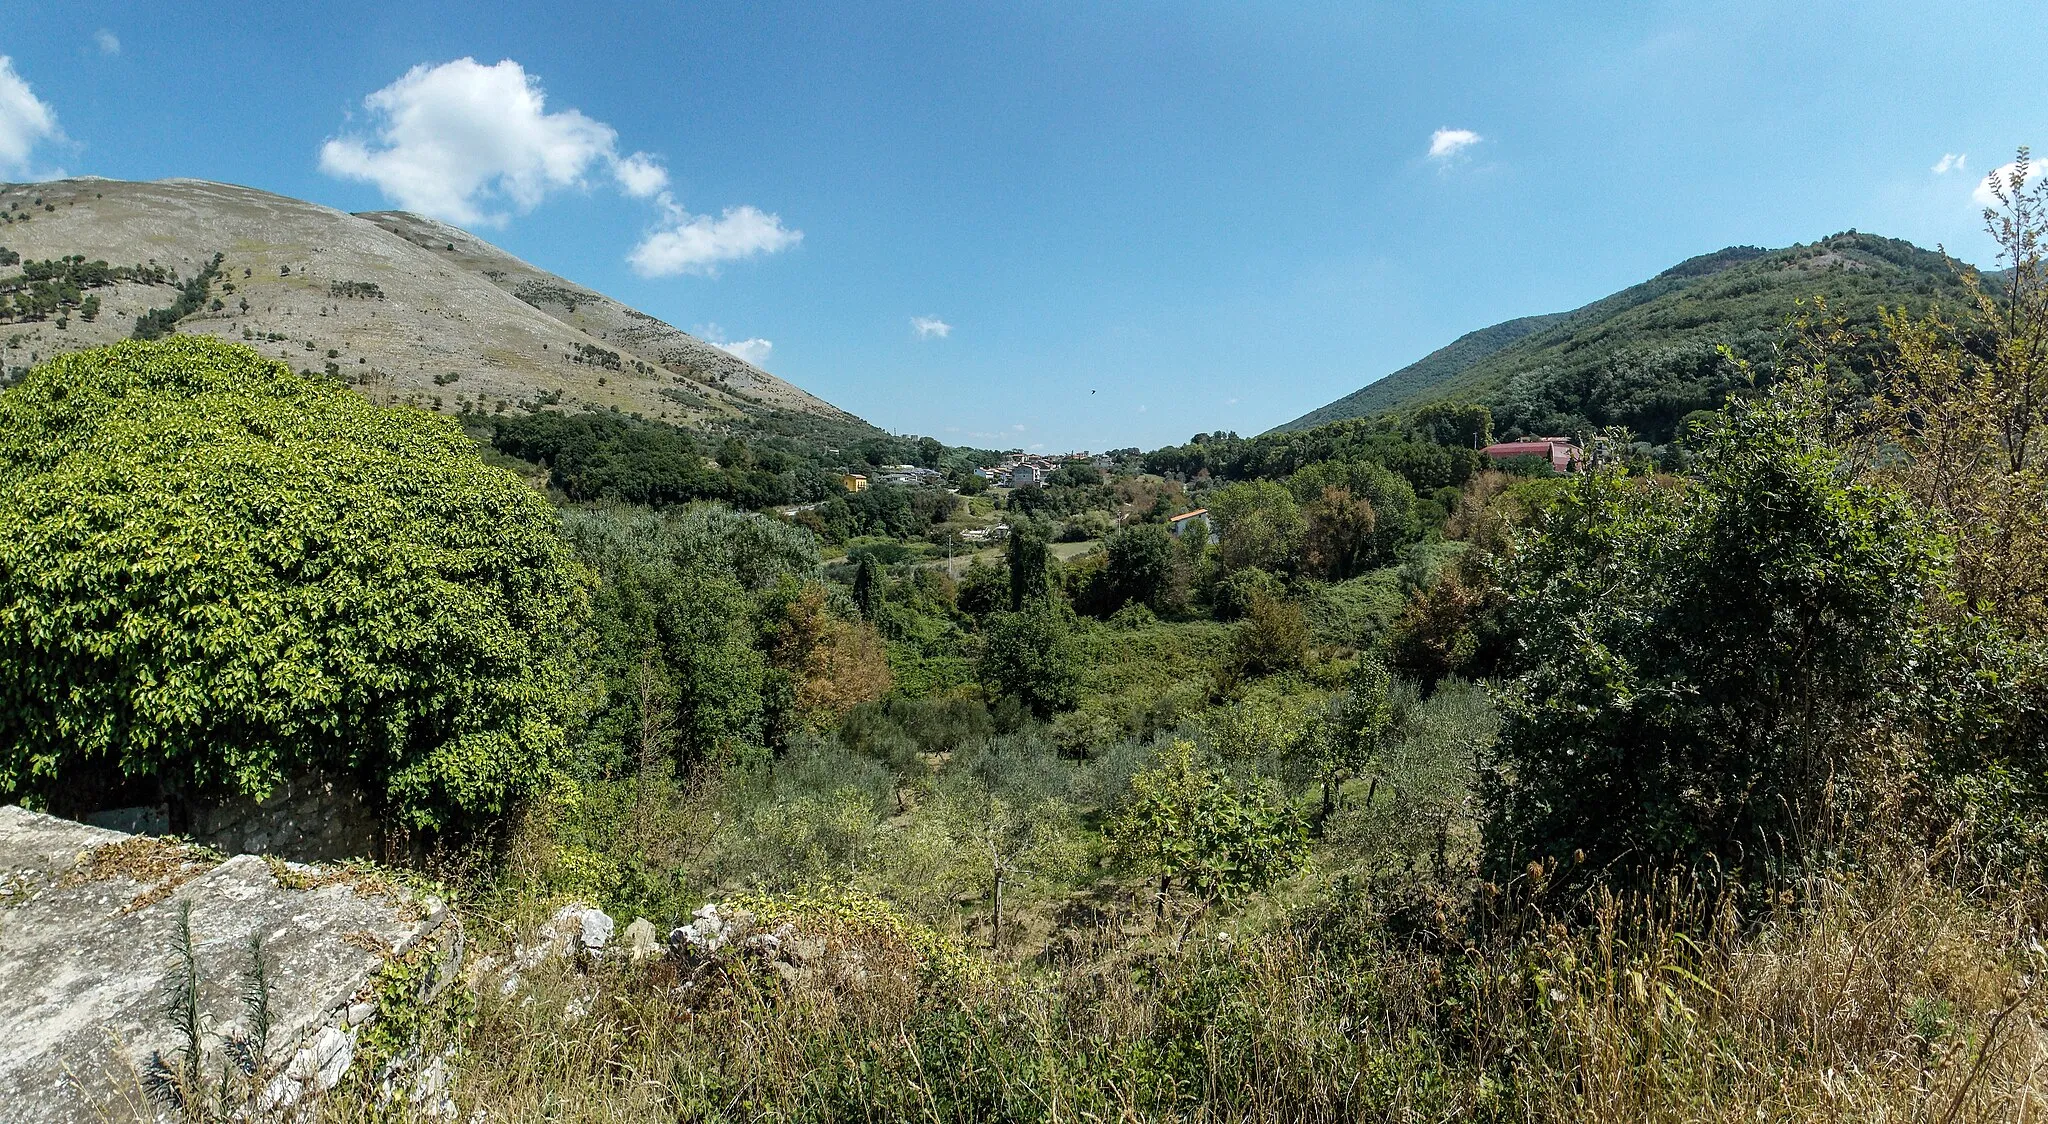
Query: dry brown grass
[1888, 996]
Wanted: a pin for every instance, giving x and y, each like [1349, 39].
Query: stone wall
[313, 818]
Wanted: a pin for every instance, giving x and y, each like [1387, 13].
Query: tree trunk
[996, 935]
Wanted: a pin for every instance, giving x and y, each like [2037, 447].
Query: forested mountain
[1649, 355]
[1443, 363]
[402, 308]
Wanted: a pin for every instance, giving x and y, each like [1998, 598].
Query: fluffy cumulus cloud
[2002, 176]
[1446, 143]
[1949, 162]
[687, 243]
[463, 141]
[640, 175]
[930, 327]
[754, 351]
[25, 121]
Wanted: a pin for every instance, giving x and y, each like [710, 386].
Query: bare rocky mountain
[404, 308]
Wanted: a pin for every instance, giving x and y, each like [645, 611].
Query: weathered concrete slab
[88, 919]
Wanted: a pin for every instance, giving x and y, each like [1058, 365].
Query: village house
[1187, 519]
[1562, 454]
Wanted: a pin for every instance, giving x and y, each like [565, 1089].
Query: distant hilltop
[1649, 355]
[401, 307]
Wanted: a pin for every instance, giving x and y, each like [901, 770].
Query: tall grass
[1882, 994]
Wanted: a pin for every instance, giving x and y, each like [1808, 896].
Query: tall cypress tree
[867, 594]
[1028, 581]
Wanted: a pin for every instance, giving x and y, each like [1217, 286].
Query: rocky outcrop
[89, 923]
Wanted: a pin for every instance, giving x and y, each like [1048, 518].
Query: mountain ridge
[402, 307]
[1666, 332]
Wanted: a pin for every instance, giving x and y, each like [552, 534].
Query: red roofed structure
[1562, 454]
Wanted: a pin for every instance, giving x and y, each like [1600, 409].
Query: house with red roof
[1562, 454]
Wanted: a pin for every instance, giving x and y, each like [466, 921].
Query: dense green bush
[1689, 649]
[1030, 655]
[215, 574]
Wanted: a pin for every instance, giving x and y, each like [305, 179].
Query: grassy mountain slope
[382, 301]
[1646, 356]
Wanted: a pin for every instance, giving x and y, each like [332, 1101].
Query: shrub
[216, 574]
[1030, 655]
[1691, 649]
[1233, 596]
[1191, 825]
[1273, 637]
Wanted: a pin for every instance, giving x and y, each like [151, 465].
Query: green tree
[867, 593]
[1197, 830]
[1337, 534]
[1259, 525]
[1382, 491]
[1140, 567]
[1704, 663]
[1965, 398]
[1464, 425]
[1029, 562]
[1351, 734]
[689, 588]
[1031, 655]
[984, 589]
[1272, 637]
[217, 574]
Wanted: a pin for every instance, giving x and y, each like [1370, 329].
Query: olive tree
[216, 574]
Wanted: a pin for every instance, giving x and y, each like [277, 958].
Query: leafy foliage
[1689, 649]
[1029, 654]
[1192, 825]
[675, 623]
[216, 574]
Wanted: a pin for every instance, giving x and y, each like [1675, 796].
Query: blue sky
[1064, 225]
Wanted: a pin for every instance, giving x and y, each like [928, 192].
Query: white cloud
[1446, 143]
[2002, 175]
[1019, 427]
[107, 41]
[1949, 162]
[688, 243]
[928, 327]
[754, 351]
[640, 175]
[25, 121]
[460, 140]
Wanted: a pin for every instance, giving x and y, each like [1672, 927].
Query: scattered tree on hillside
[1030, 655]
[1140, 567]
[1197, 830]
[1029, 561]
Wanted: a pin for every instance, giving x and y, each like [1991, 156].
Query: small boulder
[640, 942]
[595, 930]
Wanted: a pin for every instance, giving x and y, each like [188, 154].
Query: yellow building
[854, 482]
